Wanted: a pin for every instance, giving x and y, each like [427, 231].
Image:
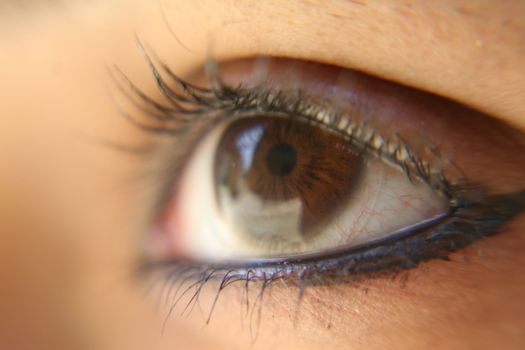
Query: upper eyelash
[193, 101]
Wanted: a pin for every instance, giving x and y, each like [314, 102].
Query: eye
[283, 168]
[265, 181]
[278, 186]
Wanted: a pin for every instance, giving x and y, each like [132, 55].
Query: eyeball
[271, 186]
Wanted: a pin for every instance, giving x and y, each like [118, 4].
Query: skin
[72, 213]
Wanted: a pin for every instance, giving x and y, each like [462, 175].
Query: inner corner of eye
[272, 186]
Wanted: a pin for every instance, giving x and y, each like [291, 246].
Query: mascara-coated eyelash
[193, 110]
[196, 105]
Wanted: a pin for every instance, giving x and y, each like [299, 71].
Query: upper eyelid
[266, 99]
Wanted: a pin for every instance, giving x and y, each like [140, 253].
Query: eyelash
[244, 102]
[468, 219]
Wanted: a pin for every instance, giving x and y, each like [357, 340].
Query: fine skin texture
[72, 211]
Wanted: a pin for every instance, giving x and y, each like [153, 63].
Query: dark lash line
[468, 220]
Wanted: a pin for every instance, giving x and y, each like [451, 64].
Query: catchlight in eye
[270, 186]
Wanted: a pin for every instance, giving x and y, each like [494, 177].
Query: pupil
[281, 159]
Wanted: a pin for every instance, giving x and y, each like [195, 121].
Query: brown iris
[275, 175]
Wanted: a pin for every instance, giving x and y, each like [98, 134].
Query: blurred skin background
[72, 217]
